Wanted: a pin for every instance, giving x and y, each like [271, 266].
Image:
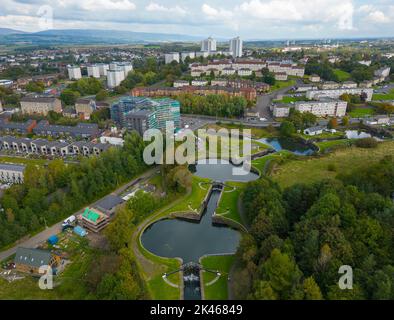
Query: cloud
[155, 7]
[213, 13]
[373, 14]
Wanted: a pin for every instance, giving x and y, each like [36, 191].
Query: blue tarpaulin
[53, 240]
[80, 231]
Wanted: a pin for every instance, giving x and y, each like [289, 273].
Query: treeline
[213, 105]
[300, 237]
[118, 276]
[58, 190]
[149, 71]
[81, 87]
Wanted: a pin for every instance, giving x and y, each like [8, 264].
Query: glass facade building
[140, 113]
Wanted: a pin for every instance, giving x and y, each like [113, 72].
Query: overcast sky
[250, 19]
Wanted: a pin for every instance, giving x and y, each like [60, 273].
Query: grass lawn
[71, 283]
[228, 205]
[324, 145]
[8, 159]
[282, 84]
[316, 168]
[218, 290]
[342, 75]
[362, 112]
[151, 266]
[194, 199]
[257, 133]
[384, 97]
[288, 99]
[324, 135]
[261, 163]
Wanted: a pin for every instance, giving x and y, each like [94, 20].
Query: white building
[184, 55]
[74, 72]
[228, 71]
[115, 77]
[11, 173]
[126, 67]
[313, 131]
[169, 57]
[244, 72]
[203, 54]
[336, 93]
[94, 71]
[314, 78]
[199, 82]
[181, 83]
[323, 108]
[349, 85]
[103, 69]
[236, 47]
[281, 111]
[281, 76]
[383, 72]
[208, 45]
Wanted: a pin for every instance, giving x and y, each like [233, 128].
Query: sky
[250, 19]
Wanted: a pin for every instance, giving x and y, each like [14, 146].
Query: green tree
[287, 129]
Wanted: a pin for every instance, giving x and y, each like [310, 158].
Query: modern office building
[208, 45]
[94, 71]
[40, 105]
[74, 72]
[115, 77]
[236, 47]
[169, 57]
[140, 113]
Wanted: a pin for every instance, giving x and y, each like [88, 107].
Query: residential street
[56, 228]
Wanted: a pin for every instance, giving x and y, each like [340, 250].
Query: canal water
[190, 240]
[291, 145]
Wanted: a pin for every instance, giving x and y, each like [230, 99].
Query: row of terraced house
[43, 128]
[246, 67]
[53, 148]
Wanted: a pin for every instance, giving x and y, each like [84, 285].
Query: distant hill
[86, 36]
[6, 31]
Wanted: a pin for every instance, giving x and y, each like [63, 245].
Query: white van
[69, 220]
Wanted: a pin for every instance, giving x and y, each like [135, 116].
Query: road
[37, 239]
[264, 102]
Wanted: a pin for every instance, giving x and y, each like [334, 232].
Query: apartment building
[247, 93]
[181, 83]
[170, 57]
[336, 93]
[85, 107]
[81, 130]
[208, 45]
[236, 47]
[141, 113]
[74, 72]
[40, 105]
[93, 71]
[323, 108]
[281, 111]
[115, 77]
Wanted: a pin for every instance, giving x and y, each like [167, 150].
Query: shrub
[366, 143]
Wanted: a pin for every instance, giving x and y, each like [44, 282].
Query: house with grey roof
[30, 260]
[11, 173]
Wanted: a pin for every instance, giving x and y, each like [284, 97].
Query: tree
[311, 289]
[69, 97]
[332, 123]
[102, 95]
[345, 121]
[287, 129]
[281, 273]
